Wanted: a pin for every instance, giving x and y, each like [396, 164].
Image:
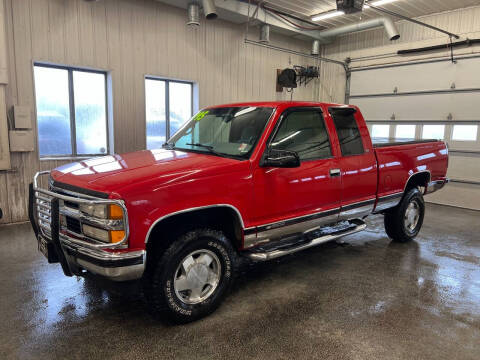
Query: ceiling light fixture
[331, 14]
[327, 15]
[378, 3]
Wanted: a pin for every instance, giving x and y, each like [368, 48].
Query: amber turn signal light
[115, 212]
[116, 236]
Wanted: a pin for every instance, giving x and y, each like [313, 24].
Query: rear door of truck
[357, 162]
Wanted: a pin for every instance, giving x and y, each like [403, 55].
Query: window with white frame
[405, 132]
[464, 132]
[71, 111]
[380, 131]
[168, 104]
[436, 132]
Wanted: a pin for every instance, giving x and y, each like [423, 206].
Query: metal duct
[265, 33]
[193, 13]
[386, 22]
[239, 10]
[316, 47]
[209, 9]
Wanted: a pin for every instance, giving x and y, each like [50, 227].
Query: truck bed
[383, 142]
[399, 159]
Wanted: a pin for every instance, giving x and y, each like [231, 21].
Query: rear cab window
[348, 132]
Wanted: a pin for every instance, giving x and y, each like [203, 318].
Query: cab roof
[276, 104]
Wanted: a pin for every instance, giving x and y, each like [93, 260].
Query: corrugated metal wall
[4, 151]
[370, 48]
[131, 38]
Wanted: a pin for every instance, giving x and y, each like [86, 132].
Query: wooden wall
[131, 39]
[4, 150]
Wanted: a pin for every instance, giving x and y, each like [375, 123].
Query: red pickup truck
[248, 180]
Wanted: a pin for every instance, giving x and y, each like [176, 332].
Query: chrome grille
[43, 205]
[71, 218]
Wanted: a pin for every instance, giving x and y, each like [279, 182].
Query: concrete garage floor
[367, 299]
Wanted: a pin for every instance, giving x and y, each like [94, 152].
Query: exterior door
[291, 201]
[357, 163]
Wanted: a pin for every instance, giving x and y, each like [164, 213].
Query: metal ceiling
[410, 8]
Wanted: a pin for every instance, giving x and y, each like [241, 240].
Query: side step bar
[268, 255]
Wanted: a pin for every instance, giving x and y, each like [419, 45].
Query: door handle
[335, 172]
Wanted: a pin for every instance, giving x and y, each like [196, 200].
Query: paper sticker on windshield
[200, 115]
[243, 148]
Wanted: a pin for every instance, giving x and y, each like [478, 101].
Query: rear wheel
[403, 223]
[192, 277]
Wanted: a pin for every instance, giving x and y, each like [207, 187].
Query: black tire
[162, 298]
[395, 222]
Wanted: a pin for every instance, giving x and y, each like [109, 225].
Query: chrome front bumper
[76, 252]
[115, 266]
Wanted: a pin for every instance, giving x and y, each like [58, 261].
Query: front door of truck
[291, 201]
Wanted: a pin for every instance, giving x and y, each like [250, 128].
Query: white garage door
[436, 99]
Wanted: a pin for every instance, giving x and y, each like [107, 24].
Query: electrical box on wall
[21, 140]
[22, 117]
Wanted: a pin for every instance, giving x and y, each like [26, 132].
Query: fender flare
[184, 211]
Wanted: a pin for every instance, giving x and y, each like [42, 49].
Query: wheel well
[166, 231]
[419, 179]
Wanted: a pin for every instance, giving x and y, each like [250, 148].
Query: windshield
[225, 131]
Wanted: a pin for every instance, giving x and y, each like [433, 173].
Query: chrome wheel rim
[197, 276]
[412, 216]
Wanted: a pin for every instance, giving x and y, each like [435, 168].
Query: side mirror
[280, 159]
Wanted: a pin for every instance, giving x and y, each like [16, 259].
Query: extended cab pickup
[249, 180]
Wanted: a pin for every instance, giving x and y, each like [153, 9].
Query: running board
[268, 255]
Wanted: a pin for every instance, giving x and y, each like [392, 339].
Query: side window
[347, 131]
[168, 105]
[303, 132]
[71, 111]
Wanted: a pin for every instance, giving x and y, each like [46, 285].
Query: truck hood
[112, 173]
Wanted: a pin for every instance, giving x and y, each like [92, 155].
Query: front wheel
[403, 223]
[192, 277]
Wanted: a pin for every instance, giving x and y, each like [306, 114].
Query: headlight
[99, 211]
[113, 236]
[114, 212]
[96, 233]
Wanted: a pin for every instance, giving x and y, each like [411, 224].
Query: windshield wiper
[208, 147]
[168, 146]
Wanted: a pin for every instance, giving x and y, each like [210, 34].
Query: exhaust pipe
[193, 14]
[315, 47]
[265, 33]
[209, 9]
